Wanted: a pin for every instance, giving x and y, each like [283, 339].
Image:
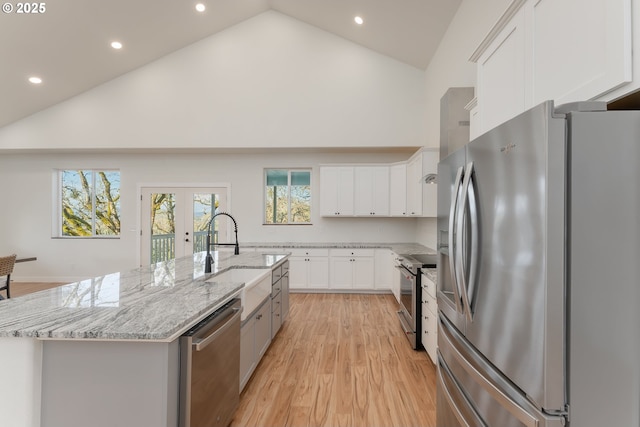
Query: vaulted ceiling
[67, 43]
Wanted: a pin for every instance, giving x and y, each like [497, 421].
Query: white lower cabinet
[255, 337]
[429, 318]
[352, 268]
[383, 270]
[309, 268]
[395, 277]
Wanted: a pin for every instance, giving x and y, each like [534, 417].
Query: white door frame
[178, 186]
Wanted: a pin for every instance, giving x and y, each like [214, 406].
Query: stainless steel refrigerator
[539, 272]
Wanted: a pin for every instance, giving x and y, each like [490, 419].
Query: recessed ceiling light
[116, 45]
[35, 80]
[358, 20]
[200, 7]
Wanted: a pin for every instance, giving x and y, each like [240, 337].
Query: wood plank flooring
[340, 360]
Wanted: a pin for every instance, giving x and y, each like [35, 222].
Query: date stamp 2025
[24, 8]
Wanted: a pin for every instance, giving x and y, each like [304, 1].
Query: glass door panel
[203, 206]
[174, 221]
[163, 227]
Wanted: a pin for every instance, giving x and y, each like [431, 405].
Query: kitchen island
[105, 351]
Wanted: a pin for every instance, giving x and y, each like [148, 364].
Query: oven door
[408, 313]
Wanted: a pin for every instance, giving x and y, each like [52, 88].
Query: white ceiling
[68, 45]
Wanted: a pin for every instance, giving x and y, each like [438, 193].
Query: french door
[174, 221]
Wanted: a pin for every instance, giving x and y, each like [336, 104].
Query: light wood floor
[340, 360]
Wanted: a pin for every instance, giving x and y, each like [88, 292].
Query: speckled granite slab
[399, 248]
[155, 303]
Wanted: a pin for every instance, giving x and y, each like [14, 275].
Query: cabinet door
[395, 277]
[503, 80]
[263, 329]
[247, 352]
[414, 190]
[336, 191]
[298, 272]
[363, 272]
[341, 273]
[318, 272]
[383, 269]
[581, 48]
[398, 190]
[371, 190]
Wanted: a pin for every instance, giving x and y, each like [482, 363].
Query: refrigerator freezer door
[517, 304]
[474, 394]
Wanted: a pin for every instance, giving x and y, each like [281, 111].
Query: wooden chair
[6, 268]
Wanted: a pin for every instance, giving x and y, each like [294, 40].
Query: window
[287, 196]
[89, 203]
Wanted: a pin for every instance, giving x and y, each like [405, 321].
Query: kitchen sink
[257, 285]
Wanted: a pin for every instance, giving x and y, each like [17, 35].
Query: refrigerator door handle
[453, 250]
[505, 401]
[462, 241]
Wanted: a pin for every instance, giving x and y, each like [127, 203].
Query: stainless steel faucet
[208, 261]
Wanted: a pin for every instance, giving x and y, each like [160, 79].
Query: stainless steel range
[410, 268]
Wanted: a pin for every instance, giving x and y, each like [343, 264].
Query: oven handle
[201, 343]
[404, 269]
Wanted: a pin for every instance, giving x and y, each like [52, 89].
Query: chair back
[6, 264]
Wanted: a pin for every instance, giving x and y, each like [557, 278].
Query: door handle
[462, 242]
[201, 343]
[452, 248]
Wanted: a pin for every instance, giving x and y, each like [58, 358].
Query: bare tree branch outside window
[90, 203]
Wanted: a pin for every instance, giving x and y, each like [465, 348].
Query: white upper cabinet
[371, 190]
[380, 190]
[502, 75]
[581, 48]
[398, 189]
[566, 51]
[336, 191]
[414, 185]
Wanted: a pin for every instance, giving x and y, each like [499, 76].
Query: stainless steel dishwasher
[210, 369]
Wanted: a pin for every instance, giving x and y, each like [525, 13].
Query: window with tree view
[90, 203]
[287, 196]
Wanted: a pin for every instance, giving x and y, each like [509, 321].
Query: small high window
[287, 196]
[88, 203]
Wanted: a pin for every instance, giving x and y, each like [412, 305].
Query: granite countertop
[431, 273]
[399, 248]
[154, 303]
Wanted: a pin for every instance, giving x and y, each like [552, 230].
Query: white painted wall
[25, 216]
[450, 67]
[270, 81]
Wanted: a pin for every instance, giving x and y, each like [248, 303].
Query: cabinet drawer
[302, 252]
[352, 252]
[276, 303]
[428, 286]
[276, 288]
[276, 274]
[429, 303]
[429, 321]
